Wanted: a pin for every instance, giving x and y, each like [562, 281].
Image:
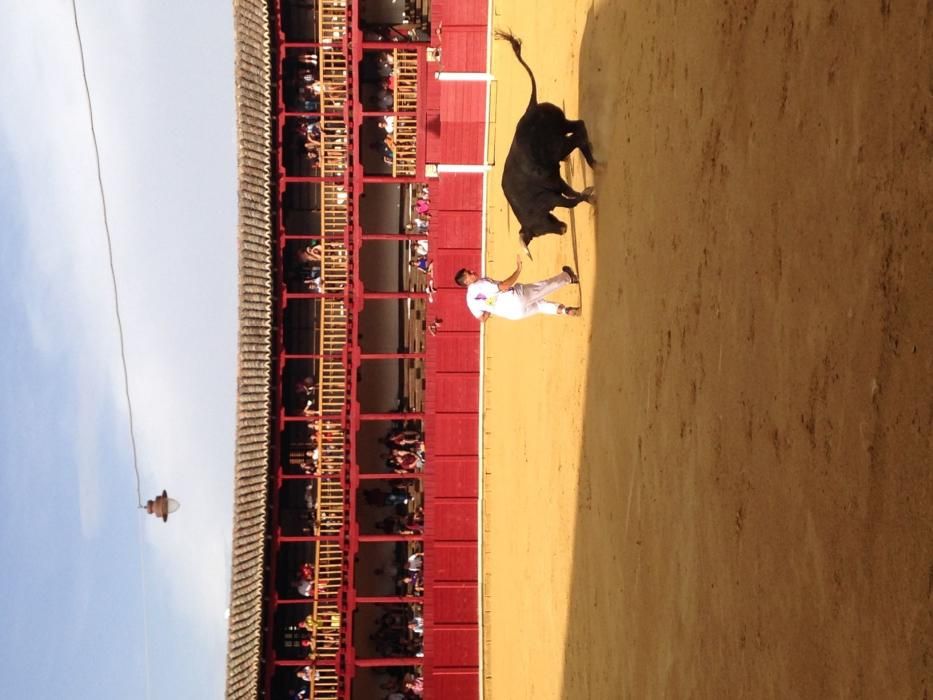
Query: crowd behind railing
[399, 631]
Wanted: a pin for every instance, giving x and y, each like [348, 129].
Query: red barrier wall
[455, 134]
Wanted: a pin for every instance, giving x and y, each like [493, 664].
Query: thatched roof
[254, 360]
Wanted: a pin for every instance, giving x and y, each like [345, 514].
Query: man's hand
[513, 278]
[484, 316]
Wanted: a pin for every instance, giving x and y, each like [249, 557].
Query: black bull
[531, 177]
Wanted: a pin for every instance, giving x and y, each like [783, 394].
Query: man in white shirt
[487, 297]
[415, 561]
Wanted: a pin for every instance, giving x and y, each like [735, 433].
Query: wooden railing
[325, 685]
[334, 220]
[406, 80]
[332, 380]
[331, 447]
[333, 79]
[405, 157]
[331, 509]
[327, 619]
[335, 143]
[332, 21]
[325, 610]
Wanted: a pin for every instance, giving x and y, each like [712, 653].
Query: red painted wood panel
[463, 101]
[455, 355]
[432, 89]
[456, 647]
[450, 305]
[457, 435]
[432, 138]
[456, 520]
[452, 685]
[439, 12]
[455, 476]
[448, 262]
[455, 603]
[454, 133]
[454, 562]
[457, 392]
[460, 12]
[461, 192]
[459, 229]
[464, 49]
[465, 143]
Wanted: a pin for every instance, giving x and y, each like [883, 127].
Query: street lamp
[162, 505]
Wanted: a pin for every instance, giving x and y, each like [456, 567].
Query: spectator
[387, 124]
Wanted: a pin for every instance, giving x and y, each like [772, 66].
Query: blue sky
[72, 541]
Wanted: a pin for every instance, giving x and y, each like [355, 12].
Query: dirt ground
[718, 483]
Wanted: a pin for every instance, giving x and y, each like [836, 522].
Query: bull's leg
[571, 202]
[567, 191]
[570, 198]
[567, 144]
[554, 225]
[548, 223]
[578, 136]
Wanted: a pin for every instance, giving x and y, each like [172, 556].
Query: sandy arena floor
[719, 483]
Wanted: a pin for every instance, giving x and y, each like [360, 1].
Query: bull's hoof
[589, 194]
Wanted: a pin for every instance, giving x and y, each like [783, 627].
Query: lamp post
[162, 505]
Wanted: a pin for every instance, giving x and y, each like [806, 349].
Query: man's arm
[513, 278]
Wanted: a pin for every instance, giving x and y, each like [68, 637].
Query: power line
[126, 376]
[113, 272]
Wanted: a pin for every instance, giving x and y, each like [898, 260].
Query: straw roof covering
[253, 99]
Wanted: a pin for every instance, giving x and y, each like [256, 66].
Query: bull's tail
[517, 48]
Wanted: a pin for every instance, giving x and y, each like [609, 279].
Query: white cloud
[88, 456]
[167, 149]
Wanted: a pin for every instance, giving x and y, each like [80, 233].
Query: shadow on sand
[754, 515]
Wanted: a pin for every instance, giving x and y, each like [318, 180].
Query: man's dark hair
[460, 277]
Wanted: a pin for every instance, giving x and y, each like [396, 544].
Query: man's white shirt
[483, 296]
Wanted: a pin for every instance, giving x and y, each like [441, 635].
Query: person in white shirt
[508, 299]
[387, 124]
[417, 625]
